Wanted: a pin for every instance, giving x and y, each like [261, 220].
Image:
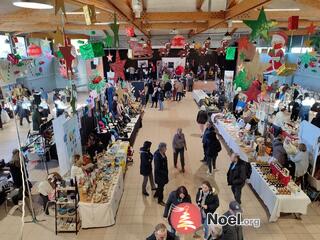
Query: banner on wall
[173, 63]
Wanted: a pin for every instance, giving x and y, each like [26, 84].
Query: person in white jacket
[301, 161]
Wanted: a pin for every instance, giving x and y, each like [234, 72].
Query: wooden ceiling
[185, 16]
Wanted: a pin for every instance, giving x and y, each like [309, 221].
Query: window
[5, 48]
[301, 50]
[21, 47]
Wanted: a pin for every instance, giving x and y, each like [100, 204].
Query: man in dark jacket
[212, 147]
[233, 232]
[237, 176]
[146, 167]
[161, 233]
[36, 119]
[160, 171]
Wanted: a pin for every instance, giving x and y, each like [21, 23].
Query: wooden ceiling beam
[43, 35]
[152, 26]
[199, 4]
[311, 3]
[182, 16]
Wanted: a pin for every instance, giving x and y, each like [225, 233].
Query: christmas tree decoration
[260, 27]
[34, 50]
[109, 57]
[117, 67]
[68, 58]
[278, 42]
[306, 59]
[243, 43]
[230, 53]
[59, 5]
[311, 29]
[240, 80]
[97, 83]
[115, 29]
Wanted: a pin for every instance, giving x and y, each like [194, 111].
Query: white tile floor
[138, 215]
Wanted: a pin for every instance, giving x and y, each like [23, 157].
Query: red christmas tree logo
[185, 218]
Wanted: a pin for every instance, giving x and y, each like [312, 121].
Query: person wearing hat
[236, 176]
[146, 167]
[208, 202]
[279, 121]
[232, 232]
[202, 118]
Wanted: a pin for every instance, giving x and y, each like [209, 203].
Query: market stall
[101, 191]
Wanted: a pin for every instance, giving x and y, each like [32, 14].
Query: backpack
[248, 169]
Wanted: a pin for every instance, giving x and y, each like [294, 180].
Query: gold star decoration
[308, 43]
[58, 37]
[255, 68]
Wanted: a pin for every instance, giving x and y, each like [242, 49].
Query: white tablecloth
[102, 214]
[294, 203]
[230, 140]
[198, 95]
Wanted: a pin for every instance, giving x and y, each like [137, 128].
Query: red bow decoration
[97, 79]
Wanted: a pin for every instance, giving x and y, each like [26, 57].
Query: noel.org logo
[185, 218]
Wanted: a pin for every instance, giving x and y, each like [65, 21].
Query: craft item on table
[90, 14]
[230, 53]
[242, 81]
[115, 29]
[293, 22]
[185, 52]
[117, 67]
[97, 83]
[92, 50]
[260, 27]
[34, 50]
[109, 57]
[59, 5]
[130, 31]
[165, 51]
[68, 57]
[178, 41]
[278, 42]
[287, 69]
[140, 50]
[253, 91]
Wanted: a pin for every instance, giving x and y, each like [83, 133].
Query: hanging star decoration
[59, 4]
[45, 42]
[311, 29]
[308, 43]
[115, 29]
[118, 67]
[243, 43]
[260, 27]
[58, 37]
[109, 56]
[68, 57]
[253, 91]
[255, 67]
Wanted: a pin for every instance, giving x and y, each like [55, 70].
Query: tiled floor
[137, 215]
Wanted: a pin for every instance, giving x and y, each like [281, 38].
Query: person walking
[23, 110]
[208, 202]
[160, 98]
[160, 171]
[232, 232]
[174, 90]
[176, 197]
[212, 147]
[179, 90]
[179, 145]
[236, 176]
[189, 82]
[150, 90]
[296, 109]
[202, 118]
[155, 97]
[146, 167]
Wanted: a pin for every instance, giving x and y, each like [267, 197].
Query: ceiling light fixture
[237, 21]
[33, 4]
[282, 9]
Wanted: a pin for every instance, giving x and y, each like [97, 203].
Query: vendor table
[294, 203]
[199, 95]
[102, 214]
[135, 123]
[229, 139]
